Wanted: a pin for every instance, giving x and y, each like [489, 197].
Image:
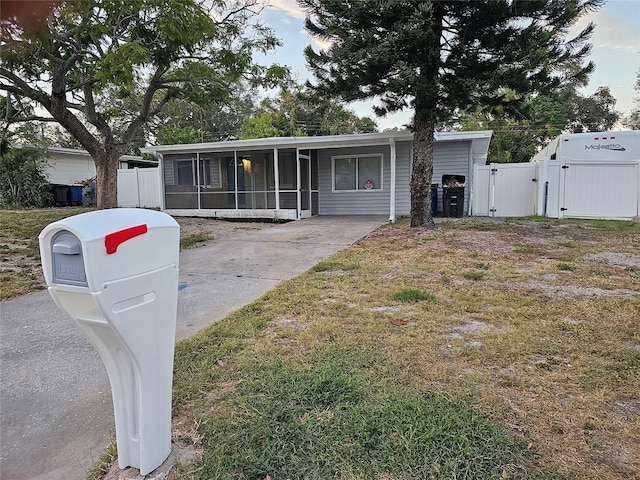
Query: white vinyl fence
[558, 189]
[597, 190]
[505, 190]
[139, 187]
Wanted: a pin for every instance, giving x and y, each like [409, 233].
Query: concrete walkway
[56, 415]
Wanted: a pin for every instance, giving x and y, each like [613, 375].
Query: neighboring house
[68, 166]
[71, 174]
[290, 178]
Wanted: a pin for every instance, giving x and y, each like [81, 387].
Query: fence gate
[139, 187]
[505, 190]
[599, 190]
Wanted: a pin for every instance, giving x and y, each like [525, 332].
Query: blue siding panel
[367, 202]
[404, 152]
[450, 158]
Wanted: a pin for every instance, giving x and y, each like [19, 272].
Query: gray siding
[452, 158]
[352, 203]
[449, 158]
[403, 177]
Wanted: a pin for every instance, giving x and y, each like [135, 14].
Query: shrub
[22, 179]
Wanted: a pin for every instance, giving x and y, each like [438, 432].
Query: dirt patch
[477, 327]
[292, 323]
[217, 229]
[559, 292]
[613, 258]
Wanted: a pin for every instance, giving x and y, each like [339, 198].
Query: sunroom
[274, 183]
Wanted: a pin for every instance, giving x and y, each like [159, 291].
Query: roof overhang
[330, 141]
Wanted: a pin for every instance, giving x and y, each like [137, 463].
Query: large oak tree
[103, 68]
[441, 56]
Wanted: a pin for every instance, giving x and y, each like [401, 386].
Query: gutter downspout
[470, 181]
[392, 189]
[638, 210]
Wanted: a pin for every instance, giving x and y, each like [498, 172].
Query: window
[357, 173]
[185, 172]
[287, 170]
[210, 176]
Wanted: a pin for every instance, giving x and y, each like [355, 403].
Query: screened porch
[275, 183]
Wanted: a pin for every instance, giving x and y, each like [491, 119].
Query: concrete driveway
[56, 415]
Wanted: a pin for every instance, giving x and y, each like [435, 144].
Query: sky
[616, 51]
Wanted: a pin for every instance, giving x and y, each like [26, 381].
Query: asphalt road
[56, 414]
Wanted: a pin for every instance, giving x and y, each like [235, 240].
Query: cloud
[611, 32]
[289, 6]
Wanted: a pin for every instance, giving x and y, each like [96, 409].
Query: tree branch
[22, 88]
[33, 118]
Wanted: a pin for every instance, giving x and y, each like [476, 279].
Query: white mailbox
[115, 273]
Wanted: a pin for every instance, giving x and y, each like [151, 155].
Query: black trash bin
[452, 195]
[61, 195]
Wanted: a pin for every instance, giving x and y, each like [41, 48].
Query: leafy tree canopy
[594, 113]
[297, 112]
[517, 137]
[23, 182]
[439, 57]
[206, 123]
[103, 68]
[260, 126]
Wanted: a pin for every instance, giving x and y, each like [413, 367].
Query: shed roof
[74, 152]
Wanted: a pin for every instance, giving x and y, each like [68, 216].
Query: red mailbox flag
[113, 240]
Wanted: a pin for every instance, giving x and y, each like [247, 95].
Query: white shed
[69, 166]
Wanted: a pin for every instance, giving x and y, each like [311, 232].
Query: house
[289, 178]
[71, 172]
[68, 166]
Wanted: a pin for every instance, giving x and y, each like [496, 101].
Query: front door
[304, 194]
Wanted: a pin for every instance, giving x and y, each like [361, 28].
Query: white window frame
[357, 157]
[216, 159]
[194, 171]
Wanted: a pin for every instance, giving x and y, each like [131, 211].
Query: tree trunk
[422, 171]
[107, 181]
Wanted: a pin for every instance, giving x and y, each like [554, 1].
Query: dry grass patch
[554, 350]
[20, 269]
[552, 354]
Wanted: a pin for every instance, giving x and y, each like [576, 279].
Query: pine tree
[441, 56]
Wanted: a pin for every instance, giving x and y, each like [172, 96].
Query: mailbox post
[115, 273]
